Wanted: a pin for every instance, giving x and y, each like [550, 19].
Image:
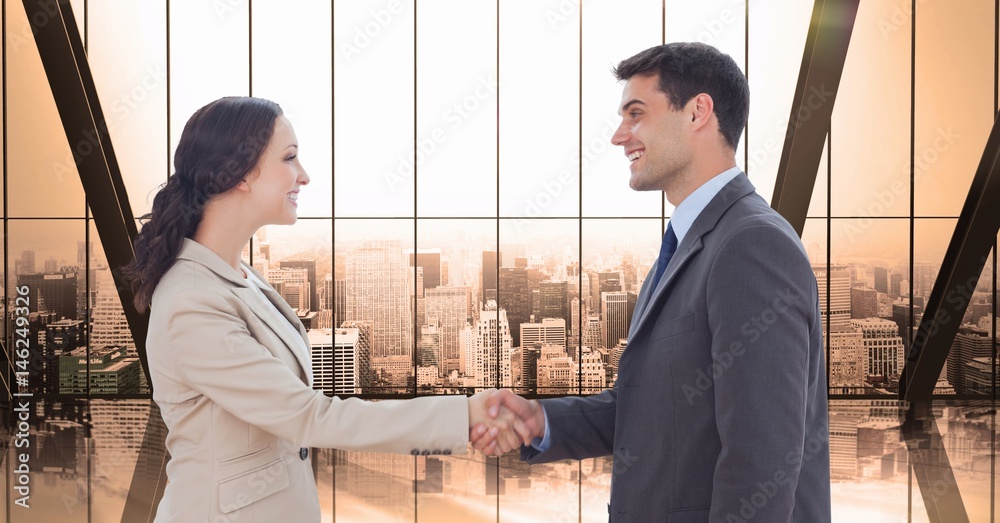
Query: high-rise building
[924, 274]
[847, 355]
[557, 375]
[430, 260]
[61, 337]
[882, 280]
[488, 277]
[429, 347]
[901, 315]
[310, 268]
[616, 316]
[515, 297]
[548, 331]
[339, 301]
[25, 264]
[864, 302]
[551, 301]
[509, 252]
[340, 363]
[883, 347]
[630, 276]
[293, 286]
[52, 291]
[610, 281]
[970, 343]
[494, 345]
[362, 355]
[376, 293]
[524, 369]
[323, 365]
[592, 331]
[593, 377]
[839, 280]
[448, 306]
[108, 325]
[467, 340]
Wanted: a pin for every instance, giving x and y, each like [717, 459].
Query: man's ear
[702, 109]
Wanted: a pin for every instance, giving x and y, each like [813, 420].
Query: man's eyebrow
[630, 103]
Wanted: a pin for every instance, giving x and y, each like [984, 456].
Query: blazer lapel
[194, 251]
[732, 192]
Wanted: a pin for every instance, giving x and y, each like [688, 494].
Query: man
[719, 411]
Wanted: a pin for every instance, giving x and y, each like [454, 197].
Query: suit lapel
[732, 192]
[194, 251]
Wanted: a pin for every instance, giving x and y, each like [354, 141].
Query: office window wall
[468, 224]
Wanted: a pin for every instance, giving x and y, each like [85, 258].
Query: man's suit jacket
[719, 412]
[233, 387]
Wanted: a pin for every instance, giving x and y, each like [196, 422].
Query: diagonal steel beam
[65, 61]
[961, 268]
[928, 458]
[812, 106]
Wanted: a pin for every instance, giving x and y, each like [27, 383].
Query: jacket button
[436, 452]
[425, 452]
[414, 452]
[303, 453]
[446, 452]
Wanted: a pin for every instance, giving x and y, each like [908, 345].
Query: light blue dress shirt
[682, 219]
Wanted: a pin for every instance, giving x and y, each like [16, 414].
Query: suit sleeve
[214, 353]
[579, 428]
[761, 305]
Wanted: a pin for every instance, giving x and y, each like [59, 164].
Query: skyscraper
[839, 280]
[493, 347]
[310, 267]
[970, 342]
[514, 296]
[293, 285]
[864, 302]
[54, 292]
[429, 347]
[430, 260]
[488, 277]
[376, 293]
[882, 280]
[616, 316]
[449, 305]
[363, 366]
[883, 347]
[551, 301]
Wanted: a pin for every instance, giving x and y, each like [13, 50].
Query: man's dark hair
[687, 69]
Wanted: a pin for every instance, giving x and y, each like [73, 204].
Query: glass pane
[373, 132]
[612, 32]
[777, 38]
[965, 428]
[291, 65]
[55, 450]
[110, 336]
[955, 58]
[38, 155]
[539, 45]
[456, 127]
[371, 256]
[119, 426]
[869, 463]
[451, 353]
[128, 56]
[374, 487]
[209, 57]
[876, 81]
[871, 255]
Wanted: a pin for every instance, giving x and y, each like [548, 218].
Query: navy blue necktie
[667, 250]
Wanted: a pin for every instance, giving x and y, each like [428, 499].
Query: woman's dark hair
[687, 69]
[220, 145]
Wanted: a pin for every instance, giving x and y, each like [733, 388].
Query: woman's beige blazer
[234, 389]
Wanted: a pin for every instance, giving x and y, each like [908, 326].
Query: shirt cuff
[543, 444]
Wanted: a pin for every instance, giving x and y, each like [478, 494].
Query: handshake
[501, 421]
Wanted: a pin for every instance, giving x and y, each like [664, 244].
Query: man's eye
[634, 114]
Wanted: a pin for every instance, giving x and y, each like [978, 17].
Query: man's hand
[527, 424]
[493, 429]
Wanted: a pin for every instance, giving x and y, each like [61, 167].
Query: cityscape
[386, 320]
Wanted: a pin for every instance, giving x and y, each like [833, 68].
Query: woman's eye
[290, 158]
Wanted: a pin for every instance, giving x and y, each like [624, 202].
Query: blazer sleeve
[762, 298]
[215, 354]
[580, 428]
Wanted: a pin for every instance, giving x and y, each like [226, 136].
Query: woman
[229, 359]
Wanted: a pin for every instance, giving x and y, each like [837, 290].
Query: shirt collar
[687, 212]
